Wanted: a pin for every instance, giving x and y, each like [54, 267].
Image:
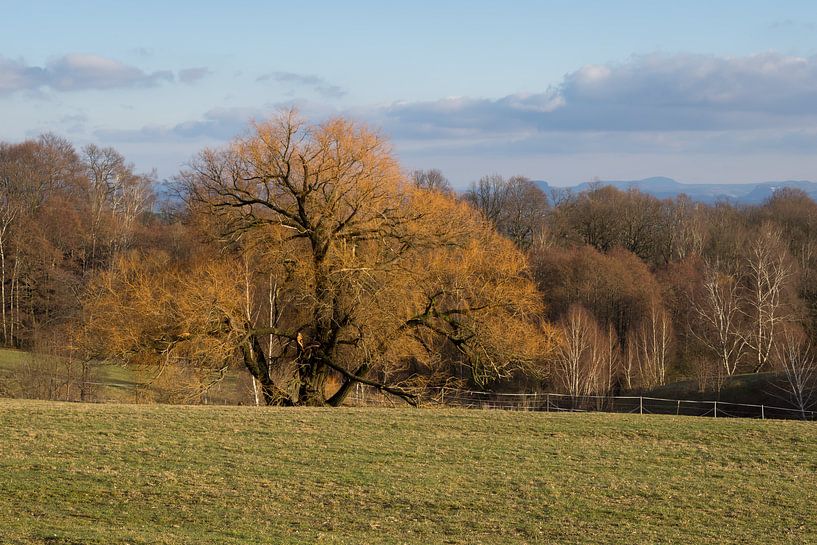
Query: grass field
[15, 364]
[41, 376]
[98, 474]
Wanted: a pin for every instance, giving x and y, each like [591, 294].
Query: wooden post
[716, 409]
[678, 408]
[640, 404]
[547, 402]
[762, 412]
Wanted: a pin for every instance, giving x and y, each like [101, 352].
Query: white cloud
[767, 83]
[75, 72]
[670, 106]
[192, 75]
[215, 125]
[315, 83]
[219, 124]
[646, 93]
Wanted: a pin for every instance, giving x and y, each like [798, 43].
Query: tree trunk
[312, 374]
[3, 290]
[258, 366]
[340, 396]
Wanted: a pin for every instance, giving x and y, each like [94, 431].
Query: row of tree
[64, 214]
[304, 256]
[644, 290]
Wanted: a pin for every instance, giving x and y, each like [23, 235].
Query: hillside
[94, 474]
[754, 388]
[663, 188]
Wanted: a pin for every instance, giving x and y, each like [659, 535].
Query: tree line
[302, 255]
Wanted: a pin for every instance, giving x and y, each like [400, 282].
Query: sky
[563, 91]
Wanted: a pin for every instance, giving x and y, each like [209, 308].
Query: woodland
[303, 255]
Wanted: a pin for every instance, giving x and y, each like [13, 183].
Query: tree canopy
[329, 268]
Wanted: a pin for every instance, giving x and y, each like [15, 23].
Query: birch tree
[651, 346]
[767, 274]
[798, 362]
[582, 355]
[116, 198]
[718, 325]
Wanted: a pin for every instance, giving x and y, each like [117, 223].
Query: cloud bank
[646, 93]
[673, 106]
[79, 72]
[218, 124]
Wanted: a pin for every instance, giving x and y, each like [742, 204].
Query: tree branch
[408, 397]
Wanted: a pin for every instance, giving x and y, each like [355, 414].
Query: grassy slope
[114, 383]
[14, 361]
[756, 388]
[11, 360]
[75, 473]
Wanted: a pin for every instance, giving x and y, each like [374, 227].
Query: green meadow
[75, 473]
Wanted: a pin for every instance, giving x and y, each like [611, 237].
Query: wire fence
[57, 387]
[552, 402]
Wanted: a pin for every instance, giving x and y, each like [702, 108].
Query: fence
[57, 387]
[551, 402]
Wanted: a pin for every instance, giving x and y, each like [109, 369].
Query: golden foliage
[331, 265]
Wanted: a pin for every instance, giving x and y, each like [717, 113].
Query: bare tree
[488, 196]
[36, 184]
[796, 357]
[516, 206]
[718, 319]
[581, 356]
[9, 211]
[433, 180]
[651, 344]
[611, 360]
[767, 273]
[523, 214]
[685, 229]
[116, 198]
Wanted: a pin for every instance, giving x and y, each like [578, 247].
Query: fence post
[547, 402]
[762, 412]
[716, 409]
[678, 408]
[640, 404]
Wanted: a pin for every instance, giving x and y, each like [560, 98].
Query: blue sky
[564, 91]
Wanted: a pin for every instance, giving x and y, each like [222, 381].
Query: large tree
[330, 269]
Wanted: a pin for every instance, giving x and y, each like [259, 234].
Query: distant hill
[662, 188]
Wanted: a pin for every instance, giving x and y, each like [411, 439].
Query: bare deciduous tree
[767, 273]
[796, 357]
[651, 346]
[718, 319]
[523, 215]
[488, 196]
[583, 356]
[433, 180]
[116, 198]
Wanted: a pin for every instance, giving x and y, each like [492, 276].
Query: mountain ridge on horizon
[663, 187]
